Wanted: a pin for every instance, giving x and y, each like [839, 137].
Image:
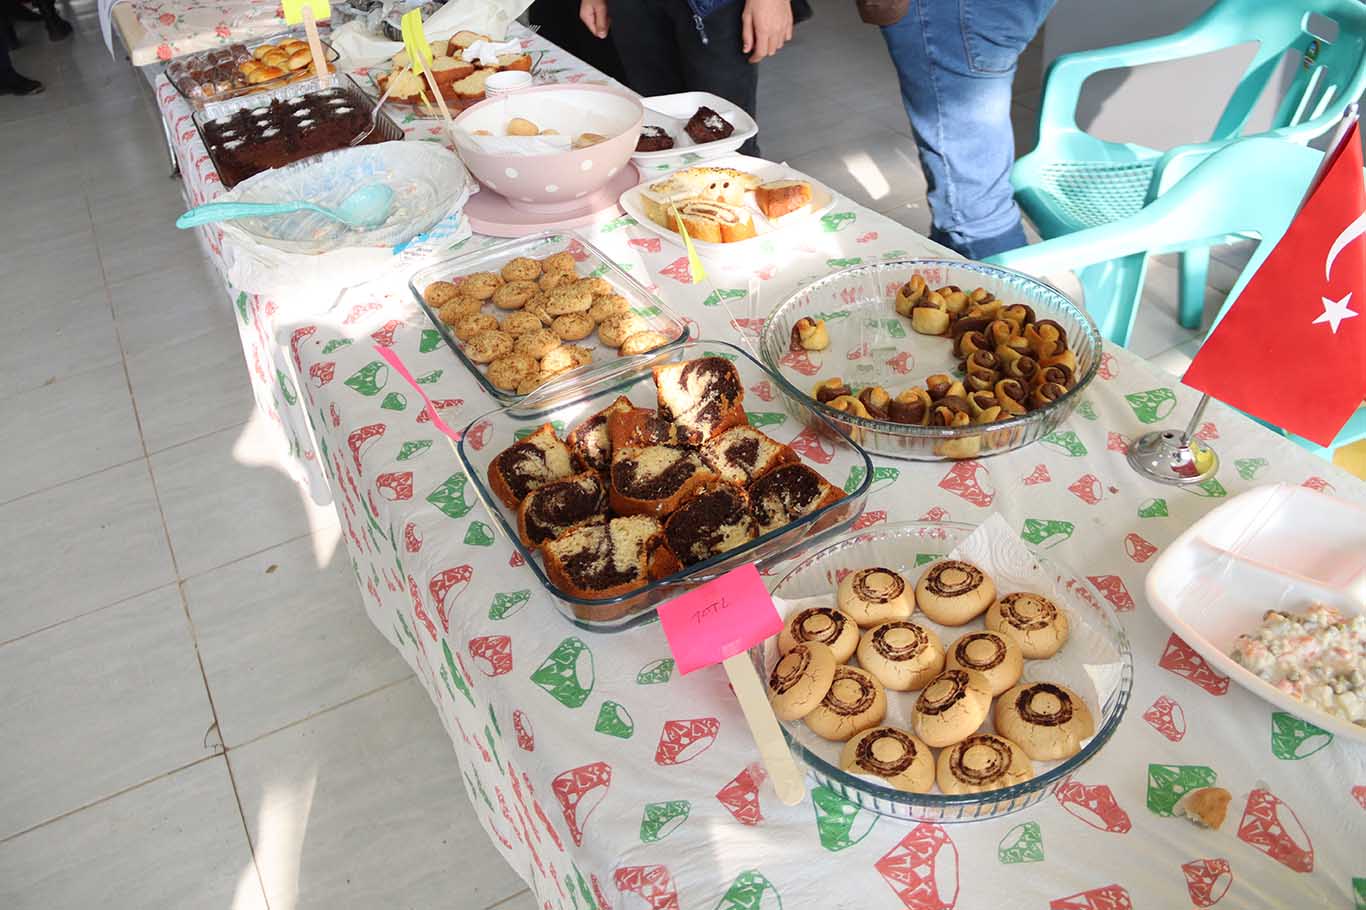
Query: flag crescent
[1349, 233]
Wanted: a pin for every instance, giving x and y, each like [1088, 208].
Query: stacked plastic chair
[1073, 181]
[1212, 201]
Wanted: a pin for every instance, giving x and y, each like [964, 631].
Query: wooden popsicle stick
[787, 778]
[440, 99]
[315, 47]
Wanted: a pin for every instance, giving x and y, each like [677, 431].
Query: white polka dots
[586, 165]
[527, 199]
[511, 172]
[581, 194]
[551, 188]
[613, 172]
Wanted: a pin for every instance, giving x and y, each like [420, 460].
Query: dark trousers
[560, 25]
[663, 54]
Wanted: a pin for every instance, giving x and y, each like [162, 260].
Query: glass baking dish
[871, 345]
[905, 548]
[177, 71]
[820, 445]
[590, 261]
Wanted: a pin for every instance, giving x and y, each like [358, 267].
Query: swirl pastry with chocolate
[875, 595]
[992, 654]
[713, 520]
[655, 480]
[903, 655]
[703, 395]
[741, 454]
[588, 442]
[528, 465]
[789, 492]
[826, 625]
[953, 592]
[980, 763]
[893, 755]
[1048, 721]
[1034, 621]
[548, 512]
[603, 560]
[951, 707]
[854, 703]
[800, 679]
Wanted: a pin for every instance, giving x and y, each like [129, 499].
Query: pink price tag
[393, 360]
[724, 617]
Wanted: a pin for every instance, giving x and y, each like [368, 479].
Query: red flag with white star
[1292, 348]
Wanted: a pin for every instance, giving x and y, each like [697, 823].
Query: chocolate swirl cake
[787, 493]
[654, 480]
[703, 395]
[589, 443]
[528, 465]
[742, 453]
[603, 560]
[715, 519]
[553, 509]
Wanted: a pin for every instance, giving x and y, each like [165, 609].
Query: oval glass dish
[905, 547]
[871, 345]
[819, 445]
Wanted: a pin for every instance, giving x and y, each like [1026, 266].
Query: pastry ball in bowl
[595, 129]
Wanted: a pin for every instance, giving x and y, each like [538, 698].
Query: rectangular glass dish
[590, 261]
[819, 445]
[217, 70]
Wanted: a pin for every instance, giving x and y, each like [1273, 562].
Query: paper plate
[428, 181]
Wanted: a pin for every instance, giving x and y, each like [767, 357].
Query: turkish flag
[1292, 348]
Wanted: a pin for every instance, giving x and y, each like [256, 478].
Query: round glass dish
[871, 345]
[905, 547]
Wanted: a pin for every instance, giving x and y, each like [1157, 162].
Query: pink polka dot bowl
[544, 173]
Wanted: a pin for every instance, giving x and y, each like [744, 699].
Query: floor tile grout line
[320, 712]
[56, 486]
[507, 900]
[83, 615]
[246, 829]
[115, 795]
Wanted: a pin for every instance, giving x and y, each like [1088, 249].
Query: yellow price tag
[694, 261]
[294, 10]
[415, 40]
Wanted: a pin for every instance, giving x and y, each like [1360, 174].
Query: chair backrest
[1252, 186]
[1331, 72]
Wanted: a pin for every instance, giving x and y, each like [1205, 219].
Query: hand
[594, 15]
[767, 25]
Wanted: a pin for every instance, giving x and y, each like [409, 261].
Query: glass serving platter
[906, 548]
[871, 345]
[820, 445]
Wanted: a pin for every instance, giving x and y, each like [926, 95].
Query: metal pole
[1195, 418]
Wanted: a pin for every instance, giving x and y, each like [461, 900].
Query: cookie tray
[590, 261]
[208, 102]
[820, 445]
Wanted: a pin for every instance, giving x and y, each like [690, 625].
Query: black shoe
[12, 83]
[58, 29]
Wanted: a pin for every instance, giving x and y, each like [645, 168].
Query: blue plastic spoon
[367, 207]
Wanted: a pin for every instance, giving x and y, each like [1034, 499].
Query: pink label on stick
[722, 618]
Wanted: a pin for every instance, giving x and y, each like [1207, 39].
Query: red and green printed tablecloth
[610, 781]
[174, 28]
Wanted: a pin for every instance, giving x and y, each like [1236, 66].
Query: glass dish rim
[551, 389]
[615, 384]
[1038, 784]
[873, 425]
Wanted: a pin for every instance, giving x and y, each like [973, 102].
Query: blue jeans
[956, 60]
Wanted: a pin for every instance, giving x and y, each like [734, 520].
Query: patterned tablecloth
[609, 780]
[174, 28]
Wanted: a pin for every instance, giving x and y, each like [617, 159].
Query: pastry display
[967, 702]
[855, 702]
[982, 762]
[951, 707]
[460, 67]
[707, 126]
[654, 139]
[233, 71]
[829, 626]
[953, 592]
[903, 655]
[718, 204]
[547, 312]
[893, 755]
[801, 679]
[624, 461]
[1034, 621]
[251, 140]
[992, 654]
[873, 596]
[1048, 721]
[810, 335]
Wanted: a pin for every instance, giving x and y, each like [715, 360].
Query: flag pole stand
[1176, 457]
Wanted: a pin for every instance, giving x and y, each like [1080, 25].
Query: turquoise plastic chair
[1073, 181]
[1212, 201]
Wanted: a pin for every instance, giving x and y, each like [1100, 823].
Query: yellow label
[694, 261]
[294, 10]
[415, 40]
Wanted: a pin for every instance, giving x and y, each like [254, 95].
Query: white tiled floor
[176, 732]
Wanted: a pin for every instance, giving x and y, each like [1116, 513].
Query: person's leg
[956, 61]
[58, 29]
[559, 23]
[643, 34]
[11, 83]
[719, 66]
